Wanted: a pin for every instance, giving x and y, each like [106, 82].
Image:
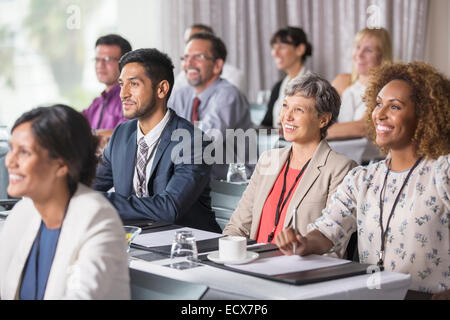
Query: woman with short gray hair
[298, 179]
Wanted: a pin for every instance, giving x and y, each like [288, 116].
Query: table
[225, 284]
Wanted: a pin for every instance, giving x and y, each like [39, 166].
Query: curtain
[246, 27]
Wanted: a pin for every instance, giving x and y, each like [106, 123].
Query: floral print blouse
[417, 240]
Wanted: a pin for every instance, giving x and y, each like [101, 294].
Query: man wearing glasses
[229, 72]
[210, 102]
[105, 112]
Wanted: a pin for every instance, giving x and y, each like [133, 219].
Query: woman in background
[62, 240]
[400, 206]
[290, 48]
[371, 48]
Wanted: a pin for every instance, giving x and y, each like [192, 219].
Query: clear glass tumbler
[184, 245]
[236, 173]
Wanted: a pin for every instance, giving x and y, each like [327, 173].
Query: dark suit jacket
[178, 193]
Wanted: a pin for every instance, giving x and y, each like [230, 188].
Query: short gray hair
[327, 100]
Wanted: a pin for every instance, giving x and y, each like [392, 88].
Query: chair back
[225, 197]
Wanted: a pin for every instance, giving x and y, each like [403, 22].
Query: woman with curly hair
[400, 206]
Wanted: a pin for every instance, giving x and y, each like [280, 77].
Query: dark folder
[303, 277]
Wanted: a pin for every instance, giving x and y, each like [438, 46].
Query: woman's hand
[286, 240]
[314, 242]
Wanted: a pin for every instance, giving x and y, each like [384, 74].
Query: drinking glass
[131, 232]
[184, 245]
[236, 173]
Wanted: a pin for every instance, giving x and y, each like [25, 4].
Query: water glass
[131, 232]
[184, 245]
[236, 173]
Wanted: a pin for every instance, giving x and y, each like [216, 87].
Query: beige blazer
[324, 173]
[90, 260]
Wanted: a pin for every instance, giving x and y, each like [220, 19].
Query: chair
[225, 197]
[149, 286]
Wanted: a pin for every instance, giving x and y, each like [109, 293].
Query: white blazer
[90, 261]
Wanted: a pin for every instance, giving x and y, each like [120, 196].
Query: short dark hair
[202, 27]
[157, 64]
[294, 36]
[114, 40]
[326, 98]
[66, 134]
[218, 48]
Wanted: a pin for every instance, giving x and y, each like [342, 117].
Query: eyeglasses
[196, 57]
[105, 60]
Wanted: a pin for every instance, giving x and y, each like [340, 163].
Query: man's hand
[103, 138]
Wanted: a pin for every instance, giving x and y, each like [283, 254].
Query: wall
[437, 51]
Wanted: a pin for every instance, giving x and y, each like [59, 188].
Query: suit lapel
[310, 175]
[165, 140]
[14, 273]
[127, 165]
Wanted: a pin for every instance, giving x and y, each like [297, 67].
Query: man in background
[210, 101]
[235, 76]
[105, 112]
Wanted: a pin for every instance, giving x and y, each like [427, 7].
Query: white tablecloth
[390, 285]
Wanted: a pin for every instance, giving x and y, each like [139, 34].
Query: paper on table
[287, 264]
[165, 238]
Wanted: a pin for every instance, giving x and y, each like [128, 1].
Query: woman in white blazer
[62, 240]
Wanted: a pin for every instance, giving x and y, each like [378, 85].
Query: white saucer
[250, 256]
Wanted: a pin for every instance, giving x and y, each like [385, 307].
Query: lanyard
[383, 231]
[282, 203]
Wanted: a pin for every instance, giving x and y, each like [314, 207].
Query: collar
[208, 92]
[152, 136]
[114, 91]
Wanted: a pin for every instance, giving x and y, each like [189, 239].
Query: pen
[294, 226]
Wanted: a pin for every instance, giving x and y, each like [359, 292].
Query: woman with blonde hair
[399, 206]
[372, 47]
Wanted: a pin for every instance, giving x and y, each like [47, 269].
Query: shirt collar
[208, 92]
[114, 90]
[152, 136]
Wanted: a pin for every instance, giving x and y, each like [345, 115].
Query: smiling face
[107, 64]
[32, 172]
[201, 68]
[286, 55]
[300, 120]
[394, 116]
[366, 55]
[137, 93]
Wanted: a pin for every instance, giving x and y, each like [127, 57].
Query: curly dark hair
[431, 97]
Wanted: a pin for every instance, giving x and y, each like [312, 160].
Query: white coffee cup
[232, 248]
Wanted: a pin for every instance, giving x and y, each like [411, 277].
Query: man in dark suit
[140, 161]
